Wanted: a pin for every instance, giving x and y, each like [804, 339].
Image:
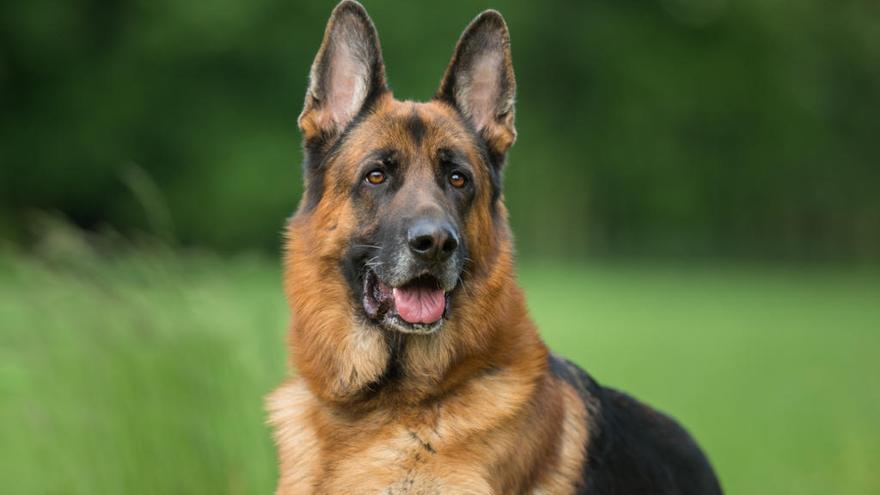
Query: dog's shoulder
[633, 448]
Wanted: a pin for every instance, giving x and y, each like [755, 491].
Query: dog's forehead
[411, 128]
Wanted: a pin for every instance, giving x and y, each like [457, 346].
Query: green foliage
[677, 127]
[145, 372]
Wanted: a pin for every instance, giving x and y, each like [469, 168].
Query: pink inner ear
[346, 88]
[480, 88]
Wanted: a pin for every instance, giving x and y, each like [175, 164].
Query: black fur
[633, 449]
[416, 127]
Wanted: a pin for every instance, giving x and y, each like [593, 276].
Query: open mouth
[417, 306]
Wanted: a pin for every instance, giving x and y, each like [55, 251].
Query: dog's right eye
[375, 177]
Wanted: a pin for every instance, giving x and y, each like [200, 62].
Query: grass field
[144, 373]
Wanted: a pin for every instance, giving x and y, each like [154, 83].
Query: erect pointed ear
[347, 74]
[479, 81]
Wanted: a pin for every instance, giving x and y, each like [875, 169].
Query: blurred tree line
[669, 127]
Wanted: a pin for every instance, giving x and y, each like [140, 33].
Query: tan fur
[475, 410]
[478, 392]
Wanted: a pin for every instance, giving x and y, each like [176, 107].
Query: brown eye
[457, 179]
[375, 177]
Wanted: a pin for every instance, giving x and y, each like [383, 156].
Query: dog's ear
[347, 74]
[479, 80]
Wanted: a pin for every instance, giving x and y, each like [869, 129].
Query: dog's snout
[432, 240]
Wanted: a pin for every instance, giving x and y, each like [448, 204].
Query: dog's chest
[407, 461]
[321, 453]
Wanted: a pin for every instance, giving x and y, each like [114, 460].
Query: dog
[419, 370]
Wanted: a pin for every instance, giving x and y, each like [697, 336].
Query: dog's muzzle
[410, 290]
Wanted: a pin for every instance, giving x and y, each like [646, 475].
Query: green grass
[144, 373]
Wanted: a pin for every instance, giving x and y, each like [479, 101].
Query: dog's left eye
[457, 179]
[375, 177]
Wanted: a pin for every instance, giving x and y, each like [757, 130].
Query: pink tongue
[419, 304]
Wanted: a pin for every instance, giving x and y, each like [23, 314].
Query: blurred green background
[697, 178]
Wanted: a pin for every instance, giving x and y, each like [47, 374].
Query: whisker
[465, 287]
[369, 246]
[373, 262]
[465, 271]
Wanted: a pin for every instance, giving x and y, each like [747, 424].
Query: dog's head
[402, 220]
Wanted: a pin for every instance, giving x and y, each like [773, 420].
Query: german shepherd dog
[419, 370]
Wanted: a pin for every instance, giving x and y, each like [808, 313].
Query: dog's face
[402, 206]
[413, 178]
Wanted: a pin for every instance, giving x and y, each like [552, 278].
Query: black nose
[432, 240]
